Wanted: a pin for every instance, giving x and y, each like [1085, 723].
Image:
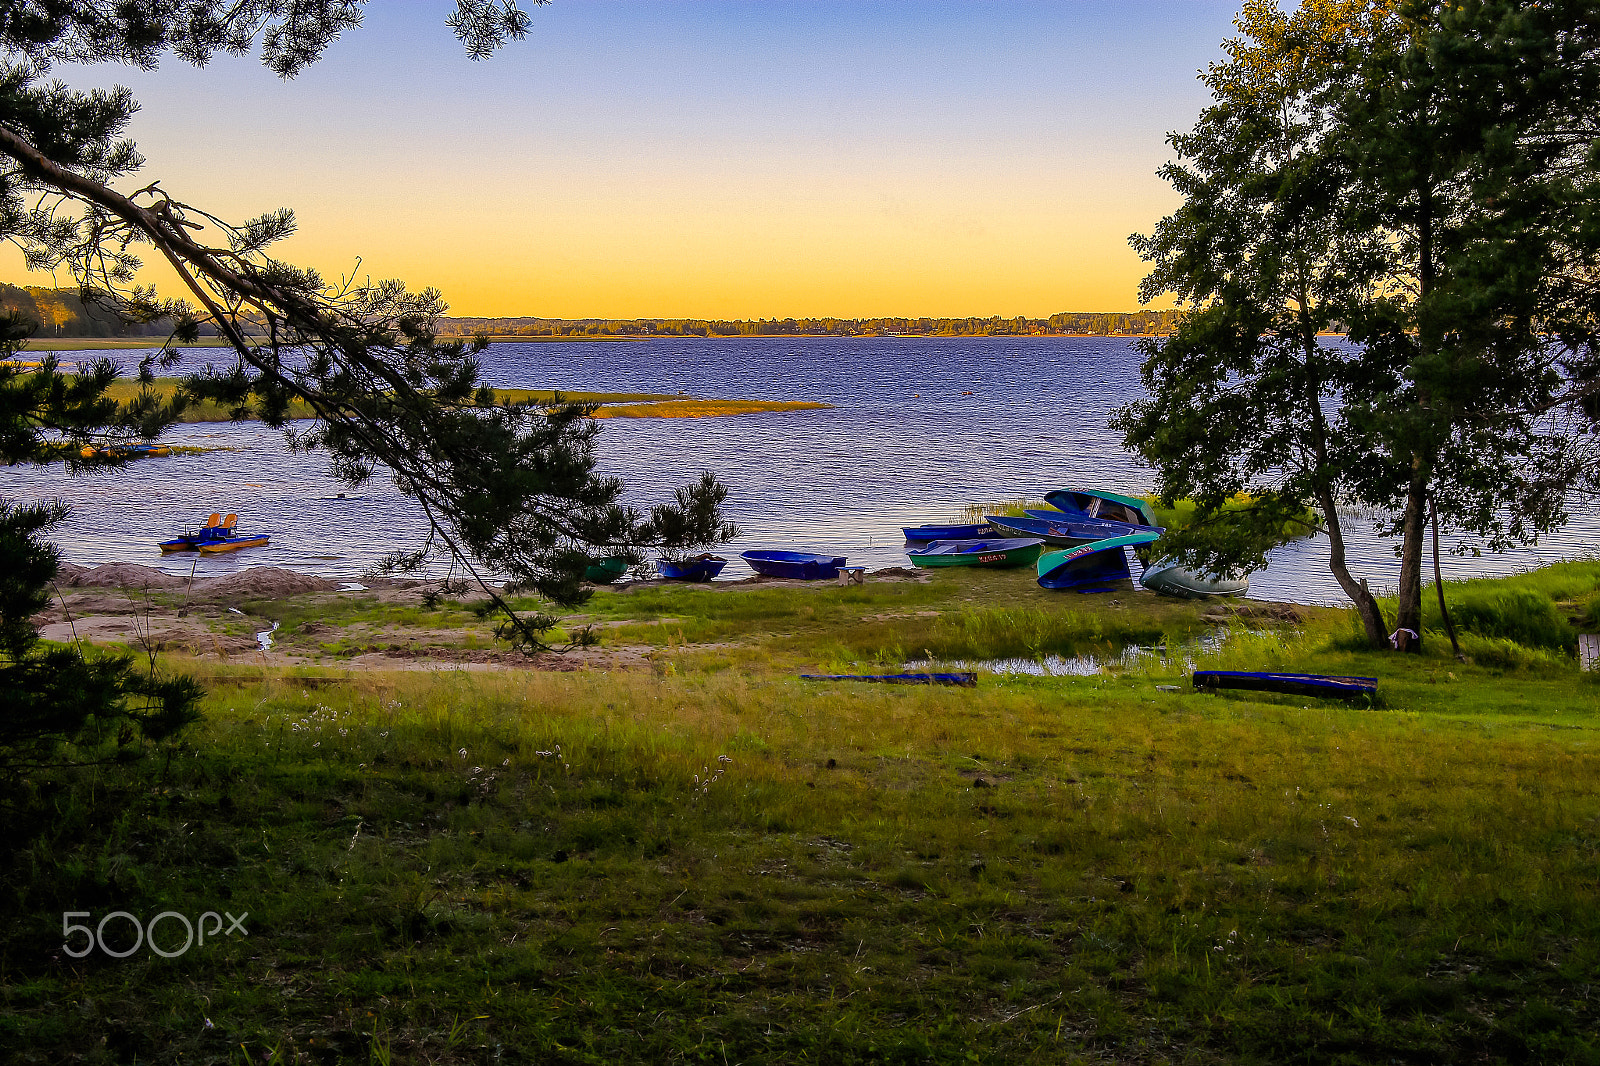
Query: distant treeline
[1081, 322]
[60, 313]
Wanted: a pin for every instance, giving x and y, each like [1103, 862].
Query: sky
[708, 159]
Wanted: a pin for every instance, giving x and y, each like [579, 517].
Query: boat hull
[1324, 686]
[232, 544]
[1170, 579]
[1067, 531]
[970, 531]
[964, 679]
[1098, 503]
[606, 570]
[994, 554]
[796, 566]
[703, 568]
[1098, 566]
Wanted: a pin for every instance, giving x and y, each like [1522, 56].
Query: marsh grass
[613, 404]
[1532, 618]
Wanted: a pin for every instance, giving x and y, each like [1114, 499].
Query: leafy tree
[1406, 170]
[510, 487]
[54, 698]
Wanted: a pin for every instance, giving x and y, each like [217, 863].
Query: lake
[920, 428]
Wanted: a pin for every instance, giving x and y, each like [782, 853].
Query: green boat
[995, 554]
[605, 571]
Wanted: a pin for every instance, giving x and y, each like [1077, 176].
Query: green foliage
[56, 703]
[1403, 171]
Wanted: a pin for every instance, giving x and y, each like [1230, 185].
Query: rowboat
[962, 532]
[1322, 685]
[798, 566]
[1103, 522]
[1098, 503]
[965, 679]
[996, 554]
[1092, 567]
[699, 568]
[605, 570]
[1170, 579]
[232, 544]
[1062, 528]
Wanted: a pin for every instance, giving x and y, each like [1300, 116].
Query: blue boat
[798, 566]
[1097, 503]
[961, 532]
[1324, 686]
[1093, 567]
[964, 679]
[217, 529]
[700, 568]
[1104, 523]
[1062, 528]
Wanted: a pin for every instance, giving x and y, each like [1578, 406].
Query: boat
[1322, 685]
[1097, 503]
[1084, 516]
[952, 532]
[233, 543]
[799, 566]
[216, 528]
[996, 554]
[1168, 578]
[605, 570]
[701, 567]
[1063, 528]
[1092, 567]
[125, 451]
[963, 679]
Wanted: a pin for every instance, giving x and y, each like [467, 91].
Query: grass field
[710, 860]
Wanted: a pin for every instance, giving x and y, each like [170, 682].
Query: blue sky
[710, 158]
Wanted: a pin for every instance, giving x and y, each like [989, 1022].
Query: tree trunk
[1408, 614]
[1366, 604]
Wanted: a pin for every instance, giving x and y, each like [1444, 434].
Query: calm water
[920, 428]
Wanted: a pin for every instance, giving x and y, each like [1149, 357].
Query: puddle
[352, 586]
[1132, 656]
[264, 638]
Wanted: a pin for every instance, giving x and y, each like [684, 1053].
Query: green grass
[720, 865]
[613, 404]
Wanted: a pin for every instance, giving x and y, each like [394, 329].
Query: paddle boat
[603, 571]
[798, 566]
[1324, 686]
[1170, 579]
[1092, 567]
[701, 567]
[996, 554]
[216, 528]
[232, 543]
[953, 532]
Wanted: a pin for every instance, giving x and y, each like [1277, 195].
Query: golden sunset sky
[700, 159]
